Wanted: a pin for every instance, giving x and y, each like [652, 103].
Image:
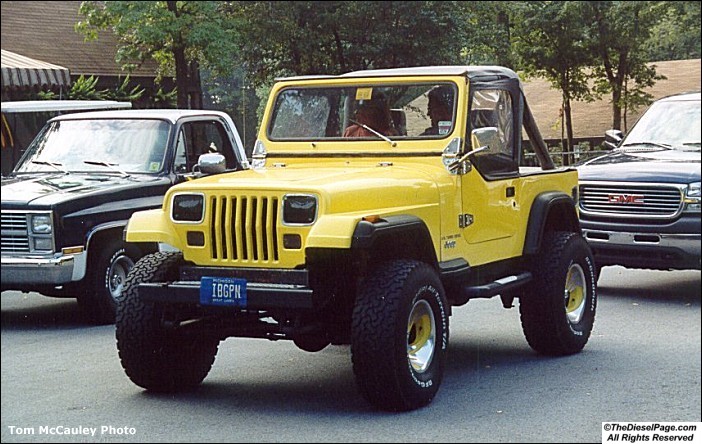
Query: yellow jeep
[364, 231]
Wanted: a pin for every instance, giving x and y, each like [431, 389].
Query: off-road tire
[558, 310]
[107, 272]
[390, 373]
[154, 357]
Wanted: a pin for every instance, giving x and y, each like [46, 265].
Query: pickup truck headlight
[692, 198]
[299, 209]
[188, 208]
[41, 224]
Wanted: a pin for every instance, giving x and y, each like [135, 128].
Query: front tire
[558, 311]
[400, 336]
[154, 357]
[105, 281]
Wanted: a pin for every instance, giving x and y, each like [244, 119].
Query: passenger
[374, 114]
[440, 111]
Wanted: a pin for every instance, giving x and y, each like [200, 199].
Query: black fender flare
[555, 207]
[370, 235]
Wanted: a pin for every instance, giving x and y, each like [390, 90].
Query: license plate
[227, 292]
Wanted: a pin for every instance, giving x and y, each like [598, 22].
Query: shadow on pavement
[34, 311]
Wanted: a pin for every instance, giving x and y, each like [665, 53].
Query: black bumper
[265, 289]
[259, 296]
[673, 245]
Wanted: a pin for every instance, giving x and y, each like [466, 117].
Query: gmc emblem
[625, 199]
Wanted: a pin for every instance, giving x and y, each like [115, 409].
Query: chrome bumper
[40, 271]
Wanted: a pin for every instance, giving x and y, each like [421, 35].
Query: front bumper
[260, 296]
[644, 249]
[266, 289]
[21, 272]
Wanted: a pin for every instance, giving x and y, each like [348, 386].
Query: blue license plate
[227, 292]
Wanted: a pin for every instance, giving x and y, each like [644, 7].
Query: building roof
[44, 30]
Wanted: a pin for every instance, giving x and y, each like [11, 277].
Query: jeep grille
[243, 228]
[14, 233]
[645, 200]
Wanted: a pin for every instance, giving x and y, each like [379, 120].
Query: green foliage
[618, 33]
[332, 37]
[677, 35]
[124, 94]
[85, 88]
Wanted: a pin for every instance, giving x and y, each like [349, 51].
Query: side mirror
[613, 138]
[211, 163]
[484, 139]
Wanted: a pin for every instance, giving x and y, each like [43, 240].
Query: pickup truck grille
[244, 228]
[647, 201]
[14, 233]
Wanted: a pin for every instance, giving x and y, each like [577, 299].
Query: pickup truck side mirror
[613, 138]
[211, 163]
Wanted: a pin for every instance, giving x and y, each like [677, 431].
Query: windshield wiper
[55, 165]
[648, 144]
[111, 166]
[382, 136]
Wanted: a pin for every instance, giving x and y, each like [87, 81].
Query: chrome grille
[14, 233]
[645, 200]
[244, 228]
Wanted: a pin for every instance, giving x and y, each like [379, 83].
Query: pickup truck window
[361, 111]
[130, 145]
[200, 137]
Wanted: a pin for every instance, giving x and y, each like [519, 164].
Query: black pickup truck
[640, 203]
[68, 200]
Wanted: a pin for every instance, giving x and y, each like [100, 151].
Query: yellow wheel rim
[421, 336]
[575, 293]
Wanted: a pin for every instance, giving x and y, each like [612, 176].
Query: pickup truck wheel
[558, 312]
[400, 336]
[105, 281]
[153, 357]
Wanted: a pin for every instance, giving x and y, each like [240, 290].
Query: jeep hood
[384, 185]
[662, 166]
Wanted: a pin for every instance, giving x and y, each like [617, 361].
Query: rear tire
[400, 336]
[154, 357]
[558, 311]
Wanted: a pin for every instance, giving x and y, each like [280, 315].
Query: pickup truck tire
[105, 280]
[400, 335]
[558, 310]
[153, 357]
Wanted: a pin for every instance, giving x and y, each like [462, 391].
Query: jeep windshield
[127, 145]
[386, 112]
[667, 124]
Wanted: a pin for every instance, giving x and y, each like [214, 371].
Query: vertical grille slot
[243, 228]
[213, 228]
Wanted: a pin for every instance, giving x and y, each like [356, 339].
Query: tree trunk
[195, 89]
[569, 130]
[181, 65]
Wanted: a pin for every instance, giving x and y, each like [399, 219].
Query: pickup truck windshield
[130, 145]
[364, 112]
[672, 124]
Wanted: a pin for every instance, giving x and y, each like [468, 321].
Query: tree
[180, 35]
[333, 37]
[618, 32]
[550, 43]
[677, 35]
